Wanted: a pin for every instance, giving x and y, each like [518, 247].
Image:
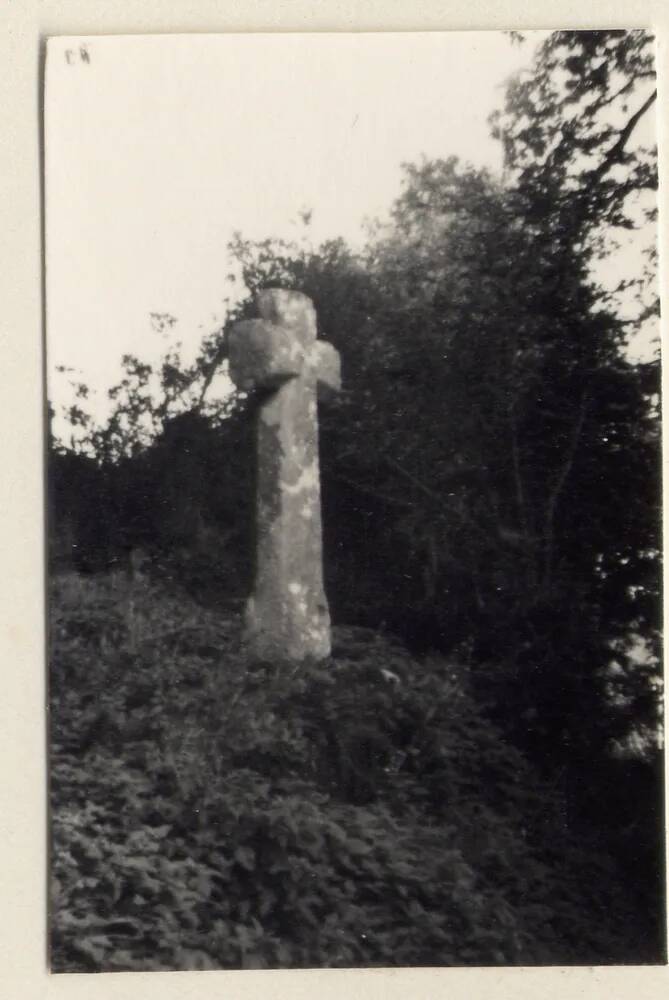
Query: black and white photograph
[354, 501]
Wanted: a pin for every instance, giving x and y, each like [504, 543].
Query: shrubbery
[210, 812]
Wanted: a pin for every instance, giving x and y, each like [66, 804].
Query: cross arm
[262, 355]
[327, 365]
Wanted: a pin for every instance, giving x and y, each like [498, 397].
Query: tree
[163, 472]
[570, 131]
[584, 179]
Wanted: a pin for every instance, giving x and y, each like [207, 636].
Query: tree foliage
[570, 130]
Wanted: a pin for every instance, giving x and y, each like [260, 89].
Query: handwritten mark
[80, 55]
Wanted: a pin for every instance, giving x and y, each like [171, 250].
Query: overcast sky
[159, 148]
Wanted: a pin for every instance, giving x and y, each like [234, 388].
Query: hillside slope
[209, 812]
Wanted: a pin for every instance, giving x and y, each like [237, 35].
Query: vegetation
[491, 484]
[213, 813]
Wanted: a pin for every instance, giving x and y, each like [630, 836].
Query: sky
[159, 148]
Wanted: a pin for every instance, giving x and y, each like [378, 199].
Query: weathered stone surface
[263, 355]
[287, 617]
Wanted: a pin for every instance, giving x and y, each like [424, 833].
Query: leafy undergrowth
[209, 812]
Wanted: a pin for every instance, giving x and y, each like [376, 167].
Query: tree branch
[210, 371]
[615, 152]
[454, 472]
[558, 487]
[367, 491]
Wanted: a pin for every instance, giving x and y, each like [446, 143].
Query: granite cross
[287, 616]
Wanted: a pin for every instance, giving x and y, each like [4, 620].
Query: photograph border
[23, 747]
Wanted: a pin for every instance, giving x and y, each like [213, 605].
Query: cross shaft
[287, 617]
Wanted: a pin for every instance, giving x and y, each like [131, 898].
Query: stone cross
[287, 617]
